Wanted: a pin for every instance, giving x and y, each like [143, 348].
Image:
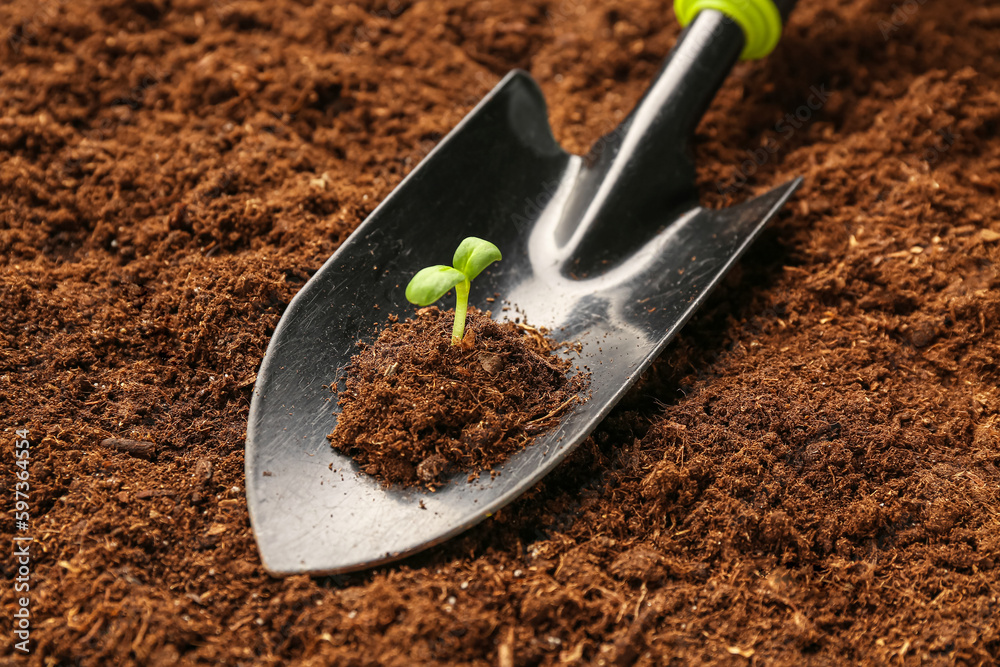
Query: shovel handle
[760, 20]
[647, 159]
[705, 53]
[716, 34]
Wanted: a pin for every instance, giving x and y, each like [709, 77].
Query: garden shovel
[609, 251]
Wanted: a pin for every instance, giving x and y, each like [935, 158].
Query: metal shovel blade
[621, 287]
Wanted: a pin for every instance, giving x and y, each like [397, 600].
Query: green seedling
[430, 284]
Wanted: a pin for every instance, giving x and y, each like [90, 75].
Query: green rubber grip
[759, 19]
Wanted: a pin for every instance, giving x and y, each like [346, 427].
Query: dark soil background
[809, 475]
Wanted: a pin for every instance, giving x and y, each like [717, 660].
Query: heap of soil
[416, 407]
[810, 474]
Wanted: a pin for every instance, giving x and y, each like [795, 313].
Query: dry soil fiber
[416, 408]
[809, 475]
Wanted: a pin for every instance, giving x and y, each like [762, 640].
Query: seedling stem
[461, 307]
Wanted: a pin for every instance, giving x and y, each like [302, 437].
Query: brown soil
[810, 475]
[416, 408]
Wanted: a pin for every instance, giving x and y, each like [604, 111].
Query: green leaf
[474, 255]
[432, 283]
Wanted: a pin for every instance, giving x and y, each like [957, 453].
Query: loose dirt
[416, 408]
[809, 475]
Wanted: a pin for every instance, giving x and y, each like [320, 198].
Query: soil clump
[416, 408]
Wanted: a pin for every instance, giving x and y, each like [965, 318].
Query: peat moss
[417, 408]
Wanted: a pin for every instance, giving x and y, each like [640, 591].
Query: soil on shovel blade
[808, 475]
[417, 408]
